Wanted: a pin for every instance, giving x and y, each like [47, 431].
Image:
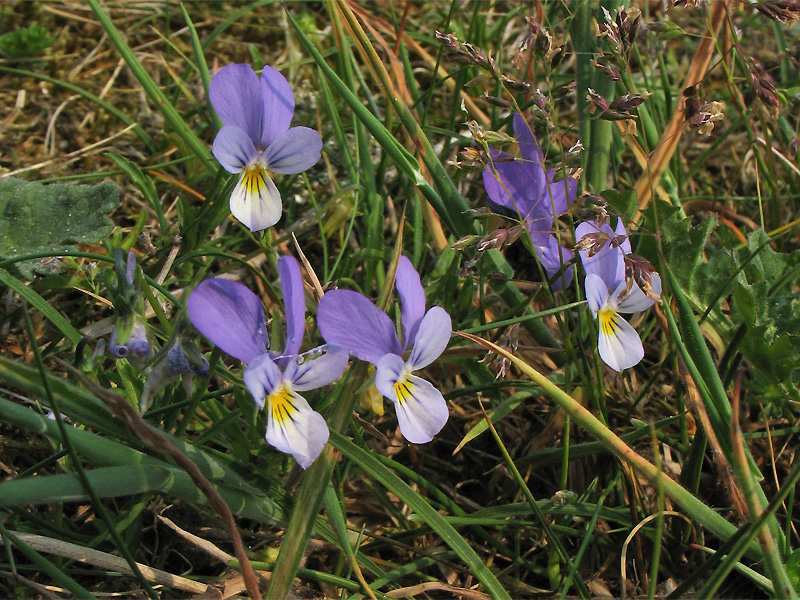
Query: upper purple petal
[294, 303]
[236, 96]
[412, 297]
[529, 148]
[277, 105]
[510, 185]
[620, 231]
[229, 315]
[433, 336]
[316, 368]
[233, 148]
[350, 320]
[294, 151]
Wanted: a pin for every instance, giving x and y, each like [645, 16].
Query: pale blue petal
[412, 298]
[350, 320]
[294, 428]
[637, 300]
[255, 200]
[277, 105]
[294, 303]
[262, 377]
[609, 263]
[229, 315]
[316, 368]
[433, 336]
[293, 151]
[619, 345]
[596, 292]
[233, 149]
[235, 94]
[620, 231]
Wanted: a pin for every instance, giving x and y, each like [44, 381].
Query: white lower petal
[293, 427]
[255, 200]
[421, 409]
[619, 345]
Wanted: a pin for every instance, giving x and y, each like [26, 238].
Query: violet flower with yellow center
[256, 139]
[608, 295]
[231, 316]
[351, 320]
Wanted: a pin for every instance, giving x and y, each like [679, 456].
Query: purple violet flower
[607, 293]
[523, 188]
[349, 319]
[231, 316]
[256, 138]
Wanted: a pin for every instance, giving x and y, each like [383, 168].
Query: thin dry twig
[104, 560]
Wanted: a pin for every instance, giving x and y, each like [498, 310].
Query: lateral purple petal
[309, 373]
[236, 96]
[596, 292]
[559, 194]
[261, 378]
[229, 315]
[294, 151]
[637, 300]
[350, 320]
[412, 297]
[233, 149]
[554, 258]
[277, 105]
[294, 303]
[433, 336]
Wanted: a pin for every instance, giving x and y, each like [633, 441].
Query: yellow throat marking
[281, 403]
[609, 322]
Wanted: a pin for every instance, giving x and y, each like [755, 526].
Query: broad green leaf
[49, 218]
[624, 203]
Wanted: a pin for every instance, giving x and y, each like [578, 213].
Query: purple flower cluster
[256, 139]
[231, 316]
[525, 189]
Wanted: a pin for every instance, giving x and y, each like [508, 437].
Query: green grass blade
[43, 306]
[110, 482]
[420, 506]
[198, 148]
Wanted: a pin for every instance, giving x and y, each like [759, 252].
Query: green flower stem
[172, 116]
[312, 491]
[581, 416]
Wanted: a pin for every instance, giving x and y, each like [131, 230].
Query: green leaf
[49, 218]
[624, 203]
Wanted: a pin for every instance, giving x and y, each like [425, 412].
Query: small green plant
[25, 41]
